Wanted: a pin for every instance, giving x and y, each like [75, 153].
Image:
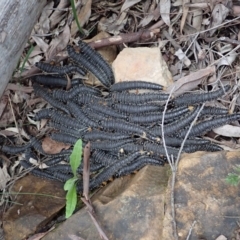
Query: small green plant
[234, 178]
[26, 58]
[70, 185]
[76, 17]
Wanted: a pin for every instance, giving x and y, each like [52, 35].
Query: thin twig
[186, 136]
[86, 171]
[162, 127]
[91, 212]
[174, 164]
[86, 199]
[190, 230]
[144, 35]
[173, 168]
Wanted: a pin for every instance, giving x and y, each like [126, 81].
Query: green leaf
[69, 184]
[76, 156]
[71, 201]
[233, 179]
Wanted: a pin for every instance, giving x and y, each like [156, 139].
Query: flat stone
[34, 210]
[143, 63]
[131, 207]
[202, 195]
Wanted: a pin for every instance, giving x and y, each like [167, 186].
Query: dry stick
[125, 38]
[173, 168]
[173, 165]
[93, 217]
[86, 170]
[178, 159]
[186, 136]
[86, 200]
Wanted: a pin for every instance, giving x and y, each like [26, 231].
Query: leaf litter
[199, 46]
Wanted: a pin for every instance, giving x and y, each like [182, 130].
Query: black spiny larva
[131, 85]
[205, 126]
[66, 120]
[53, 81]
[105, 158]
[203, 147]
[140, 163]
[63, 137]
[80, 59]
[189, 99]
[49, 98]
[49, 68]
[213, 111]
[112, 169]
[79, 115]
[142, 98]
[135, 109]
[101, 135]
[97, 59]
[159, 150]
[109, 145]
[178, 124]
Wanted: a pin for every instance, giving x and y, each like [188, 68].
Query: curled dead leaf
[52, 147]
[191, 81]
[165, 6]
[228, 131]
[59, 43]
[129, 3]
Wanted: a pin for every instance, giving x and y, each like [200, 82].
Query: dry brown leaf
[236, 10]
[17, 87]
[20, 97]
[228, 131]
[44, 21]
[7, 133]
[3, 104]
[197, 18]
[227, 60]
[129, 3]
[39, 41]
[219, 14]
[7, 117]
[182, 57]
[52, 147]
[59, 14]
[185, 14]
[149, 17]
[165, 6]
[83, 16]
[156, 13]
[146, 20]
[4, 176]
[13, 131]
[191, 81]
[59, 43]
[117, 25]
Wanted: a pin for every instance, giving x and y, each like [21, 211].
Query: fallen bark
[17, 19]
